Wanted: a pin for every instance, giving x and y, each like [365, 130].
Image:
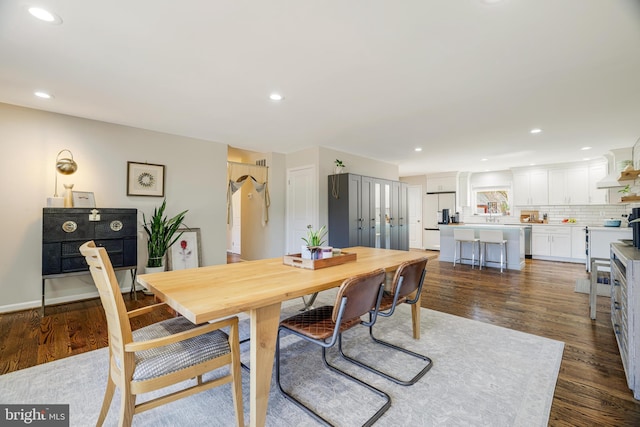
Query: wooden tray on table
[296, 260]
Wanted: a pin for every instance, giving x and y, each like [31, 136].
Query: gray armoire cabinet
[366, 211]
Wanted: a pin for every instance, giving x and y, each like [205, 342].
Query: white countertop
[602, 228]
[537, 224]
[483, 225]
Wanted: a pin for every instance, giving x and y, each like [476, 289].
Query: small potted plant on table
[314, 240]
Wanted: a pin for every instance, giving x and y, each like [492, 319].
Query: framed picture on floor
[185, 252]
[145, 179]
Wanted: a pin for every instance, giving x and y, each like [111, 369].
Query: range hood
[617, 160]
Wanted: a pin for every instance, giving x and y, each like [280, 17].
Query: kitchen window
[490, 193]
[492, 201]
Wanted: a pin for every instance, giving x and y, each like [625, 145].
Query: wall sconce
[64, 166]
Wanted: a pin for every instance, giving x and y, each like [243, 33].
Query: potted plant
[161, 234]
[314, 240]
[626, 191]
[339, 166]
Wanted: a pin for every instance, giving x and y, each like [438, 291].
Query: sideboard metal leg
[133, 272]
[42, 308]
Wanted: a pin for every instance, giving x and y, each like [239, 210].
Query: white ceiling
[462, 79]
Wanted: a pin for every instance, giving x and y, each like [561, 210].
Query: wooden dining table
[258, 288]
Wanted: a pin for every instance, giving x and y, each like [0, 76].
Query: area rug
[482, 375]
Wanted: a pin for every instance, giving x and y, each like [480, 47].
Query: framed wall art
[145, 179]
[185, 252]
[83, 199]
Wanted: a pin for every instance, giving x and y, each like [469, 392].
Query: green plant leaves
[161, 233]
[315, 238]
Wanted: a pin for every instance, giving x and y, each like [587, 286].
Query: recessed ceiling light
[585, 148]
[276, 97]
[417, 149]
[45, 15]
[483, 160]
[586, 158]
[43, 95]
[532, 164]
[536, 130]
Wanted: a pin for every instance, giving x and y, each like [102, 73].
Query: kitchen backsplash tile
[583, 214]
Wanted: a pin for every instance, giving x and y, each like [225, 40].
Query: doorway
[234, 233]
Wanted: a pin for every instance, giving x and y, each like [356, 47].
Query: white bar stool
[493, 237]
[465, 235]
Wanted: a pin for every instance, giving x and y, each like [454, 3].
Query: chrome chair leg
[473, 255]
[314, 414]
[308, 305]
[415, 379]
[455, 251]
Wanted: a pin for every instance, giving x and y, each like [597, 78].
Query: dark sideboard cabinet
[366, 211]
[64, 230]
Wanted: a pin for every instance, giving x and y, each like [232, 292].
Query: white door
[415, 216]
[233, 234]
[236, 230]
[302, 197]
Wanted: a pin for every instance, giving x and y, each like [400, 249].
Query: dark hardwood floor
[591, 388]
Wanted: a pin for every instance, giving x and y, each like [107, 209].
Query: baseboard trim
[28, 305]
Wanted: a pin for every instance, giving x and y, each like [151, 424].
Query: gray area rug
[483, 375]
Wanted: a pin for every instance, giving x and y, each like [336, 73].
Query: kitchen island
[513, 234]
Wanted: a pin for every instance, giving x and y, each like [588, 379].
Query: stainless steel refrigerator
[432, 208]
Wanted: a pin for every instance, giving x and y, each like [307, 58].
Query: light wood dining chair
[161, 354]
[406, 287]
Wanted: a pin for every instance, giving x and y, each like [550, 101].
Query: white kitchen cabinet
[569, 186]
[439, 184]
[597, 172]
[551, 242]
[540, 244]
[530, 187]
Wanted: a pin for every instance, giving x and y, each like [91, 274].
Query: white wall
[195, 180]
